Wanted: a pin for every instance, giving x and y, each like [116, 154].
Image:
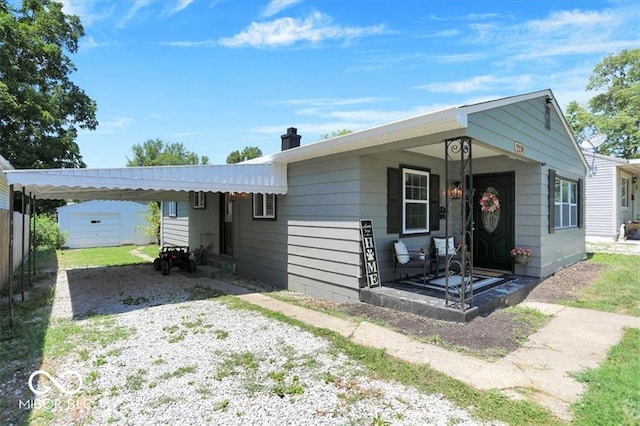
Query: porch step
[421, 301]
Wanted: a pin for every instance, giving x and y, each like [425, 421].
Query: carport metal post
[11, 255]
[31, 218]
[24, 223]
[32, 234]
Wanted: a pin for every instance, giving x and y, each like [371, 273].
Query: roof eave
[439, 121]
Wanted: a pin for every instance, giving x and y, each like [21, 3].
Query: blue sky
[220, 75]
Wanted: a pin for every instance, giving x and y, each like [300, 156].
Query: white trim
[199, 199]
[263, 204]
[172, 209]
[439, 121]
[405, 171]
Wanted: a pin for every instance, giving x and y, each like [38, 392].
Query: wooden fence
[17, 243]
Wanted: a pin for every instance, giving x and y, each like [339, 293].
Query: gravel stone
[199, 362]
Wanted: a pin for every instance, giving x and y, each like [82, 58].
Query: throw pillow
[441, 246]
[401, 252]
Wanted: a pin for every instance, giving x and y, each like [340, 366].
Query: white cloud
[276, 6]
[90, 43]
[114, 124]
[85, 9]
[353, 120]
[562, 33]
[478, 83]
[201, 43]
[461, 57]
[138, 5]
[287, 31]
[329, 102]
[180, 6]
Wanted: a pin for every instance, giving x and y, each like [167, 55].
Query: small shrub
[48, 235]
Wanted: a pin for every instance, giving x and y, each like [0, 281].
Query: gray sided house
[400, 176]
[293, 218]
[611, 196]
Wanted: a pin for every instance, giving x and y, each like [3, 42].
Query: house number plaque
[369, 252]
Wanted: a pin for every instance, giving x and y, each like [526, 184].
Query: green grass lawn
[613, 389]
[618, 287]
[101, 256]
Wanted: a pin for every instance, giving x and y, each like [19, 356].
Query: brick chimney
[291, 139]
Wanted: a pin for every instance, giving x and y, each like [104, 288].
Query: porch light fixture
[455, 191]
[233, 196]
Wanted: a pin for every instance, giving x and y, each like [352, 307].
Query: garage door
[94, 230]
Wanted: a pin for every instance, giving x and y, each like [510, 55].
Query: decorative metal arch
[460, 150]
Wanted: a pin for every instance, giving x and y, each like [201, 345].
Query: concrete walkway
[574, 339]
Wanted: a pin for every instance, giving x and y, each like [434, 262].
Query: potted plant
[422, 254]
[520, 254]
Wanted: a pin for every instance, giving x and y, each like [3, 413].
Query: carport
[158, 183]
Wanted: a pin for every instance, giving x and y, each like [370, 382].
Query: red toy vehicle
[171, 256]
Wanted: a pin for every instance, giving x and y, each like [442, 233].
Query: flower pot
[520, 259]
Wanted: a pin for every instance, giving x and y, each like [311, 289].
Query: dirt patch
[491, 336]
[566, 283]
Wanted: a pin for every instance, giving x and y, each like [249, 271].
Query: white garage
[104, 224]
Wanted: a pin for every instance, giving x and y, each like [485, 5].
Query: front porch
[430, 301]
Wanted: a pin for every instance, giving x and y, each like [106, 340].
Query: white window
[415, 201]
[199, 200]
[566, 204]
[624, 192]
[173, 208]
[264, 206]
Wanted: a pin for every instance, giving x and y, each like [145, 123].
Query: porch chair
[404, 262]
[444, 250]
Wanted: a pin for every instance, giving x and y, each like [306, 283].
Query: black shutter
[434, 203]
[580, 189]
[394, 200]
[552, 201]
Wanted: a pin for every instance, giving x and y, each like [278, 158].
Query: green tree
[615, 110]
[155, 152]
[335, 134]
[247, 153]
[40, 107]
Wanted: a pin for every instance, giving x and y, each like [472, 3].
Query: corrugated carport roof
[161, 183]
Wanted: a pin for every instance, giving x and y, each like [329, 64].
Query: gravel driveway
[170, 353]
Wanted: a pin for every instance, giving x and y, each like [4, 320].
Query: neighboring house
[611, 195]
[174, 226]
[101, 223]
[292, 218]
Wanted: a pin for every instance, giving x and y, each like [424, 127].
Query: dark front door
[494, 220]
[226, 224]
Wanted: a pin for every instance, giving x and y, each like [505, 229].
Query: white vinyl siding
[175, 230]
